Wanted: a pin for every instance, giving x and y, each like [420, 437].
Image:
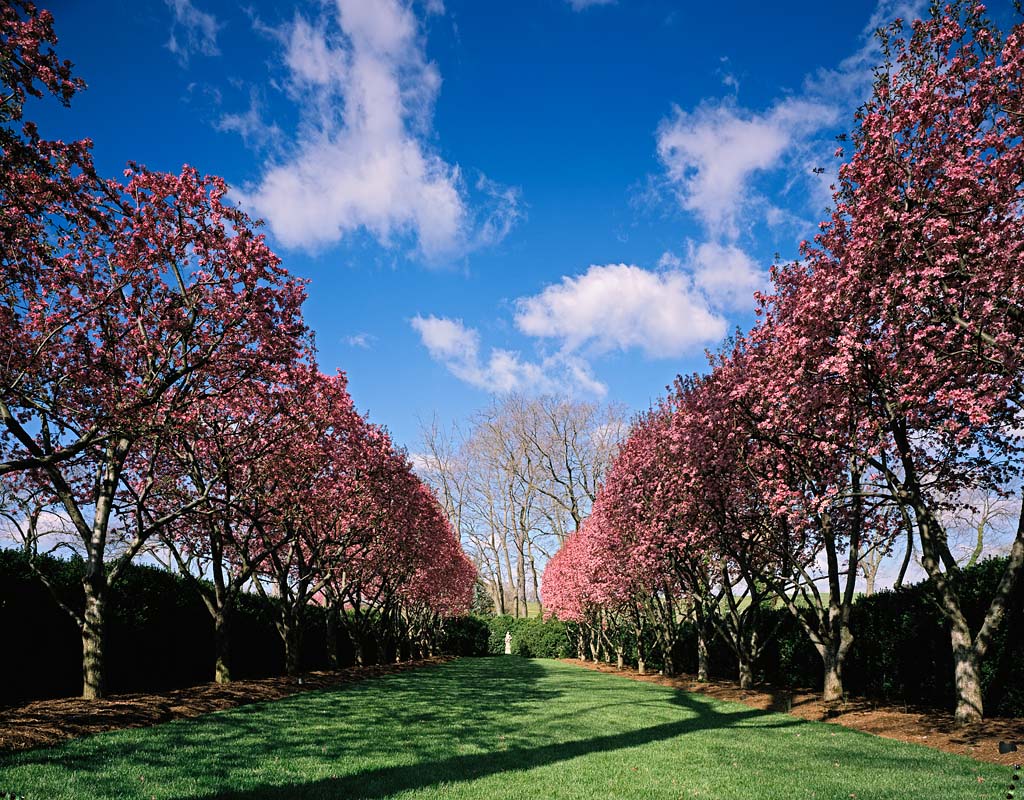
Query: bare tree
[981, 525]
[518, 480]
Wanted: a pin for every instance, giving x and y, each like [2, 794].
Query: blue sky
[542, 195]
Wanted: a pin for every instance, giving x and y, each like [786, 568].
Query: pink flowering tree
[439, 579]
[309, 523]
[122, 306]
[169, 296]
[909, 301]
[228, 453]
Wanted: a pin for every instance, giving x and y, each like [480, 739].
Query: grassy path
[496, 728]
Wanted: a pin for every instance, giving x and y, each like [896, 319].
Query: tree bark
[702, 653]
[746, 673]
[832, 694]
[669, 664]
[222, 645]
[94, 640]
[521, 579]
[291, 634]
[332, 637]
[536, 580]
[641, 666]
[967, 675]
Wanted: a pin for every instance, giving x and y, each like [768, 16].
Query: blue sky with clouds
[544, 195]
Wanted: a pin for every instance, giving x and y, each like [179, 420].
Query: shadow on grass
[364, 722]
[387, 781]
[489, 705]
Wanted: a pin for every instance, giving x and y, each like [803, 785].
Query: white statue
[508, 643]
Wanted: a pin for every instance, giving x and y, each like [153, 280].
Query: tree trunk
[620, 660]
[499, 594]
[702, 654]
[746, 673]
[536, 580]
[521, 580]
[967, 677]
[93, 640]
[640, 654]
[291, 633]
[332, 637]
[669, 667]
[222, 645]
[832, 694]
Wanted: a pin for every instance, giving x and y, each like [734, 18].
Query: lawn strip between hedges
[43, 723]
[502, 728]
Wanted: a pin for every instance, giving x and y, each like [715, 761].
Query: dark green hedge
[532, 637]
[465, 636]
[160, 636]
[159, 633]
[901, 651]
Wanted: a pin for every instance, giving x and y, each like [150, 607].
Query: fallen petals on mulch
[919, 726]
[47, 722]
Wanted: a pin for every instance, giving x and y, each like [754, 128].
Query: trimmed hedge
[465, 636]
[532, 637]
[160, 636]
[159, 633]
[901, 651]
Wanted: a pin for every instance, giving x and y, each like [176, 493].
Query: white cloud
[457, 347]
[193, 31]
[361, 340]
[448, 340]
[710, 154]
[361, 159]
[664, 313]
[424, 463]
[619, 307]
[250, 125]
[580, 5]
[726, 275]
[850, 82]
[714, 154]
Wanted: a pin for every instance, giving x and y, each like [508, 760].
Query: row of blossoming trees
[880, 386]
[158, 384]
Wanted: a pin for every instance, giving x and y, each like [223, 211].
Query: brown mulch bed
[47, 722]
[916, 725]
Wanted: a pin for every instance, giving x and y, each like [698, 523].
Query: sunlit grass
[496, 728]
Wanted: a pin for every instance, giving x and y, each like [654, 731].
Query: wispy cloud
[711, 153]
[361, 158]
[256, 132]
[725, 276]
[192, 31]
[580, 5]
[718, 155]
[361, 340]
[664, 313]
[457, 347]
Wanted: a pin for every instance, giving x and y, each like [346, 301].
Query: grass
[495, 728]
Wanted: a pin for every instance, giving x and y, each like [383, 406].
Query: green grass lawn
[496, 728]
